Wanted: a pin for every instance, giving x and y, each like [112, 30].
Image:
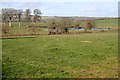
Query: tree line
[55, 25]
[11, 14]
[60, 26]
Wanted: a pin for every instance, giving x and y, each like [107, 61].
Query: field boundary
[13, 37]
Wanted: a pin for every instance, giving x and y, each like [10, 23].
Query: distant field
[42, 27]
[99, 23]
[87, 55]
[108, 23]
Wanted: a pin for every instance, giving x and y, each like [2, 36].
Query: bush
[5, 28]
[90, 24]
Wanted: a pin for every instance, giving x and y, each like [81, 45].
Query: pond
[91, 29]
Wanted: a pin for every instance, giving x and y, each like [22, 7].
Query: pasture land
[42, 28]
[89, 55]
[107, 23]
[99, 23]
[61, 56]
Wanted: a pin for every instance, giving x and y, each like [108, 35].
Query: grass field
[107, 23]
[58, 56]
[42, 27]
[99, 23]
[90, 55]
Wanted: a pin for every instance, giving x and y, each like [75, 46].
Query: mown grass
[61, 56]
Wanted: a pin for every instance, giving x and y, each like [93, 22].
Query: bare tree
[58, 26]
[4, 21]
[53, 24]
[66, 23]
[90, 24]
[4, 16]
[27, 16]
[36, 17]
[19, 13]
[37, 13]
[8, 14]
[11, 13]
[77, 24]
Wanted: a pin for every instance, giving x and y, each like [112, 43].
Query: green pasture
[42, 28]
[87, 55]
[107, 23]
[99, 23]
[59, 56]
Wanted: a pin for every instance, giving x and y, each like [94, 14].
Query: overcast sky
[99, 9]
[59, 0]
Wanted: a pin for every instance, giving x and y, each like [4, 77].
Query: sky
[88, 9]
[59, 0]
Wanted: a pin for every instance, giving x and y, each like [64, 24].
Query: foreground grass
[60, 56]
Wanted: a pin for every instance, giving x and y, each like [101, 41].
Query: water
[76, 29]
[91, 29]
[100, 28]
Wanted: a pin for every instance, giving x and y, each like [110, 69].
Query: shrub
[90, 24]
[5, 28]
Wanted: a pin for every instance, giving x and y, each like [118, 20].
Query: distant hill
[75, 17]
[46, 18]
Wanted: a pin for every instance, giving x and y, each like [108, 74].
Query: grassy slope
[61, 56]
